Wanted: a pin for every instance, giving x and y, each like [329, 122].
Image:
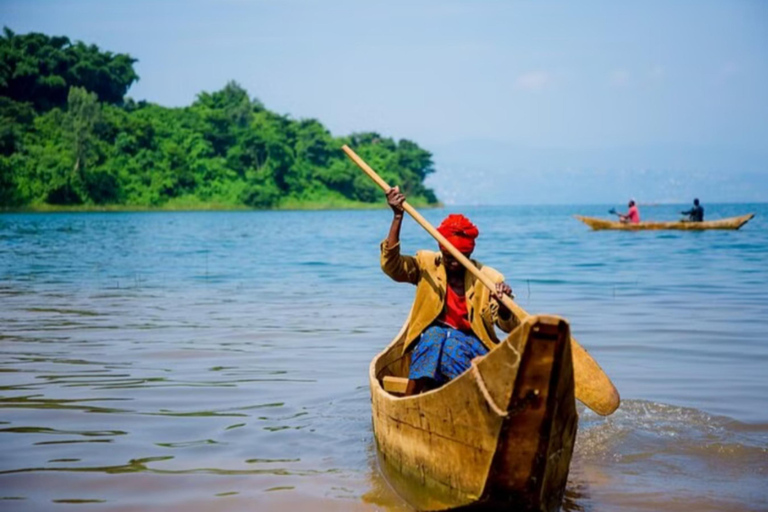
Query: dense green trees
[39, 69]
[68, 137]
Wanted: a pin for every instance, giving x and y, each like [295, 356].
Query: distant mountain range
[490, 172]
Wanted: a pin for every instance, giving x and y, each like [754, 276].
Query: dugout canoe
[728, 223]
[499, 436]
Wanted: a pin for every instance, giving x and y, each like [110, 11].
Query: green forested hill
[69, 138]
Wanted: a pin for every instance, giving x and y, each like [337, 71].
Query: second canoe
[728, 223]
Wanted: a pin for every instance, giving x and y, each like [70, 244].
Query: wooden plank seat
[395, 385]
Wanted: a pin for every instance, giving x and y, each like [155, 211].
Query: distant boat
[729, 223]
[498, 437]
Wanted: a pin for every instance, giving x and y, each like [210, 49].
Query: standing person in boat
[453, 315]
[633, 214]
[695, 214]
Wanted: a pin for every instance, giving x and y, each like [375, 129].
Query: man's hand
[395, 200]
[501, 290]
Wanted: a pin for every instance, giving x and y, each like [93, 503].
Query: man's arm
[403, 269]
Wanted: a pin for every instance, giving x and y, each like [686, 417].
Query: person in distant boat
[695, 214]
[453, 314]
[633, 214]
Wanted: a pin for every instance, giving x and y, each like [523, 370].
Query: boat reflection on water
[410, 495]
[380, 493]
[413, 492]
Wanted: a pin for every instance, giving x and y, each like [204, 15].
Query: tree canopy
[70, 137]
[40, 69]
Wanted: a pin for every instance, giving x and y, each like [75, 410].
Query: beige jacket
[427, 272]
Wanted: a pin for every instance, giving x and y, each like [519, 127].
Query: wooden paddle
[592, 385]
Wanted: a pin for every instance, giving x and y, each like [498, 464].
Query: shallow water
[218, 360]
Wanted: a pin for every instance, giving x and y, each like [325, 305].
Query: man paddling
[695, 214]
[633, 214]
[453, 315]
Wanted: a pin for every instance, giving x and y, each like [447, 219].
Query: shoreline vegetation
[193, 206]
[70, 140]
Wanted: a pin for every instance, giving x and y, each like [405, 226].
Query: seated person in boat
[633, 214]
[453, 315]
[695, 214]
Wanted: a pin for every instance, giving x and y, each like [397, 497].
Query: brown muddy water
[218, 361]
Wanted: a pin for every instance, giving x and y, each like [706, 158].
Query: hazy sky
[555, 90]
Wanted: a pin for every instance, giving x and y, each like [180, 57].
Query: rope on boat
[484, 390]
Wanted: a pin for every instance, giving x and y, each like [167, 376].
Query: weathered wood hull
[729, 223]
[498, 436]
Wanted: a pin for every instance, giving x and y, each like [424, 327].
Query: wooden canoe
[728, 223]
[500, 435]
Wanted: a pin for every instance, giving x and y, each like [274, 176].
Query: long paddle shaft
[592, 385]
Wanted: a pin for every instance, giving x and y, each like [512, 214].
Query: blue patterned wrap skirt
[443, 353]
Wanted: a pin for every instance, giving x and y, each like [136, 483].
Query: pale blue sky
[661, 99]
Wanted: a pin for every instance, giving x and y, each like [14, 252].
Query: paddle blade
[592, 386]
[612, 211]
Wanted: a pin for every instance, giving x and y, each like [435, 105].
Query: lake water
[218, 360]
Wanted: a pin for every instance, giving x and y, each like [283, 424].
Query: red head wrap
[460, 232]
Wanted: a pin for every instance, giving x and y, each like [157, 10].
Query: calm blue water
[218, 360]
